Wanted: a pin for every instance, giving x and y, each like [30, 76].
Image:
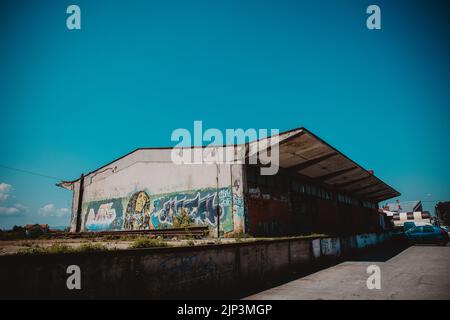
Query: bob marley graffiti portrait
[137, 215]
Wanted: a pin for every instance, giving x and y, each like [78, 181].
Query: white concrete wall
[156, 178]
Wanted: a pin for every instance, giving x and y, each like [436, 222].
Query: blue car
[427, 234]
[446, 228]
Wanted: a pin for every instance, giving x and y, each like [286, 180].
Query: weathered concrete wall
[287, 204]
[237, 185]
[146, 190]
[188, 272]
[330, 247]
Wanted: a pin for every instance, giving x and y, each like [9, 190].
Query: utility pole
[218, 201]
[80, 202]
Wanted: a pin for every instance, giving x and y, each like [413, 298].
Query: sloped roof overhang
[311, 157]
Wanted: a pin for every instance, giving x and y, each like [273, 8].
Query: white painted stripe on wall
[403, 216]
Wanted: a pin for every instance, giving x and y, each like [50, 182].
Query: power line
[420, 201]
[30, 172]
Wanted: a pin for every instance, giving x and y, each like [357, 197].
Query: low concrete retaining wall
[185, 272]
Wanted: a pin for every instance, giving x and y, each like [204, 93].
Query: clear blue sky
[72, 101]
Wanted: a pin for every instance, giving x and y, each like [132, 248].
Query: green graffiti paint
[141, 210]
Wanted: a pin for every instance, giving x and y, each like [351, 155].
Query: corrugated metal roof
[310, 156]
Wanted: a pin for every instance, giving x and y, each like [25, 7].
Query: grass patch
[127, 238]
[110, 237]
[88, 247]
[54, 248]
[62, 248]
[31, 250]
[190, 243]
[27, 244]
[146, 242]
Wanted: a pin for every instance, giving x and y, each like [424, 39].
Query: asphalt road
[418, 272]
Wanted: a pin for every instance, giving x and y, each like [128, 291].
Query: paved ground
[419, 272]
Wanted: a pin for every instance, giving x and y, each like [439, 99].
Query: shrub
[31, 250]
[92, 247]
[127, 238]
[62, 248]
[13, 235]
[54, 248]
[146, 242]
[183, 219]
[27, 243]
[191, 243]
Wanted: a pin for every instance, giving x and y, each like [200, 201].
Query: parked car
[446, 228]
[427, 234]
[408, 225]
[411, 224]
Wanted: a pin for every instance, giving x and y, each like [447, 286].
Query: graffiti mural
[137, 215]
[143, 211]
[203, 206]
[103, 216]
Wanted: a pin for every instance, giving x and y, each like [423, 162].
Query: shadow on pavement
[432, 245]
[381, 253]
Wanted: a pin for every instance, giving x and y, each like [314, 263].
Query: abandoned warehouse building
[317, 189]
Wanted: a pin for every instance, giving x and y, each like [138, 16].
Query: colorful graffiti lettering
[200, 208]
[238, 212]
[203, 206]
[103, 216]
[143, 211]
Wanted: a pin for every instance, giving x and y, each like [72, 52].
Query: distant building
[442, 210]
[317, 189]
[404, 206]
[36, 229]
[407, 211]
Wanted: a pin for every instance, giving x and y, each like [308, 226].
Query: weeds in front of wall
[110, 237]
[54, 248]
[190, 243]
[127, 238]
[146, 242]
[91, 247]
[238, 237]
[31, 250]
[62, 248]
[27, 244]
[91, 235]
[187, 236]
[182, 220]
